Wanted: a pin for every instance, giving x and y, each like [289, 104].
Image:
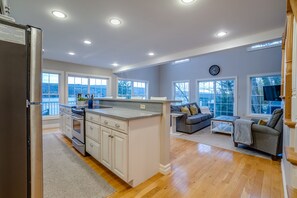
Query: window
[50, 94]
[218, 95]
[257, 103]
[86, 85]
[181, 91]
[131, 88]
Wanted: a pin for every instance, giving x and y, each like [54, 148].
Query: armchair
[268, 138]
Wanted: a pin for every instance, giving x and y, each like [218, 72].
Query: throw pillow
[193, 109]
[277, 113]
[262, 122]
[185, 109]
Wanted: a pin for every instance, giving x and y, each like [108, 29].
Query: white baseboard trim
[284, 179]
[165, 169]
[50, 126]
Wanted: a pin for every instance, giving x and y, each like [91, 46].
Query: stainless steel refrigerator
[20, 111]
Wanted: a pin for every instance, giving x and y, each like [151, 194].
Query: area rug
[66, 175]
[204, 136]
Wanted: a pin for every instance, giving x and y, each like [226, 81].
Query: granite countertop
[123, 113]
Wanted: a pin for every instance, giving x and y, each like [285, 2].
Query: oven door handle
[76, 118]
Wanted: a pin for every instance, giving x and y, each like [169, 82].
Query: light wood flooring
[200, 171]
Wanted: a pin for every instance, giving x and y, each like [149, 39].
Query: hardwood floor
[200, 170]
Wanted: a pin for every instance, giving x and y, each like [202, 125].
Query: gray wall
[150, 74]
[236, 62]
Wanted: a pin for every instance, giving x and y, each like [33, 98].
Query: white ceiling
[166, 27]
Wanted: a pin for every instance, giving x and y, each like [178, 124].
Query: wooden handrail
[293, 6]
[291, 124]
[288, 72]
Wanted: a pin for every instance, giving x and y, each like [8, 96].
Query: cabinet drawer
[68, 121]
[93, 118]
[115, 124]
[93, 131]
[93, 149]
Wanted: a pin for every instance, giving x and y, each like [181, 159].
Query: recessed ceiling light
[187, 1]
[87, 42]
[71, 53]
[115, 21]
[59, 14]
[151, 54]
[42, 50]
[221, 34]
[115, 64]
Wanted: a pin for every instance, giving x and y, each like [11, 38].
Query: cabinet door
[61, 123]
[119, 153]
[106, 147]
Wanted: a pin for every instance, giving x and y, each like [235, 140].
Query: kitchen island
[131, 138]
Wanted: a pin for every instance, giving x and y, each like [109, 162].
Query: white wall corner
[284, 179]
[165, 169]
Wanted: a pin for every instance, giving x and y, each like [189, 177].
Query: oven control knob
[117, 125]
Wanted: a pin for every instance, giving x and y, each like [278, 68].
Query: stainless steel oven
[78, 127]
[78, 130]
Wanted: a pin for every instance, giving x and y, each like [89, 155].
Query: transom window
[50, 94]
[218, 95]
[257, 103]
[132, 89]
[86, 85]
[181, 91]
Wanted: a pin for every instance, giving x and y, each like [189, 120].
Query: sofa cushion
[185, 109]
[197, 118]
[279, 124]
[277, 113]
[193, 109]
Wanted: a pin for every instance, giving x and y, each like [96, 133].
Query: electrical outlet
[142, 106]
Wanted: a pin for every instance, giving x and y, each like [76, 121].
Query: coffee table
[223, 124]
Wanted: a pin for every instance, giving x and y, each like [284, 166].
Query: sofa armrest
[264, 129]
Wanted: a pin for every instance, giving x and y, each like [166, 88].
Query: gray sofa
[193, 123]
[268, 138]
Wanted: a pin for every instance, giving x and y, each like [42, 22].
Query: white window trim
[61, 90]
[133, 80]
[235, 111]
[180, 81]
[249, 113]
[109, 83]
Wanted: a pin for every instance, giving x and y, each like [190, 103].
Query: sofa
[268, 136]
[190, 122]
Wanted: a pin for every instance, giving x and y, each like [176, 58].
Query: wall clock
[214, 70]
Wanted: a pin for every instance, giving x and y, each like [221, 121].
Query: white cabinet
[114, 151]
[66, 121]
[130, 149]
[106, 147]
[119, 153]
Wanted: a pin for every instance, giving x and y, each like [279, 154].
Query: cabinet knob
[91, 118]
[91, 128]
[117, 125]
[105, 122]
[91, 145]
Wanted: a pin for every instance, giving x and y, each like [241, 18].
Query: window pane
[98, 88]
[50, 94]
[258, 105]
[181, 91]
[129, 89]
[218, 95]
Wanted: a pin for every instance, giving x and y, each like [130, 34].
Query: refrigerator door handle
[35, 65]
